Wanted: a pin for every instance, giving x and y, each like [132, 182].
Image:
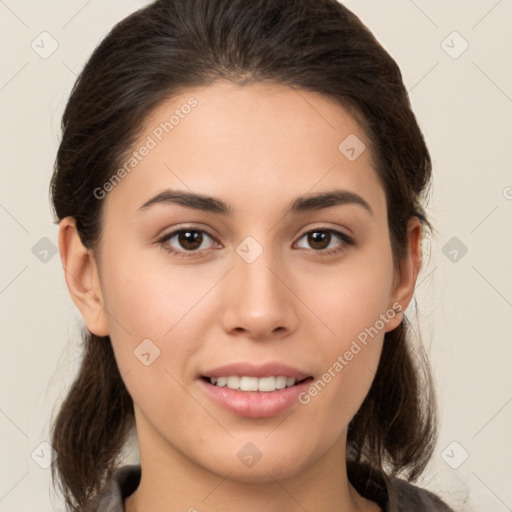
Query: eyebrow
[301, 204]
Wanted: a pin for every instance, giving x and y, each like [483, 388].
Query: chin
[249, 464]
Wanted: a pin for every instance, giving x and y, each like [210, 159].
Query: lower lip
[255, 404]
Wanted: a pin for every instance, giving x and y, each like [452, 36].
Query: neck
[170, 482]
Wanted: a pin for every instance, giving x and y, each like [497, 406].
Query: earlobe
[82, 278]
[408, 273]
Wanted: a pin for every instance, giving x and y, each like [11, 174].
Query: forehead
[267, 142]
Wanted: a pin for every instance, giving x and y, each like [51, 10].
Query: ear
[405, 280]
[82, 277]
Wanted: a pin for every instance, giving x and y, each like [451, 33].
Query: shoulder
[404, 496]
[124, 481]
[393, 494]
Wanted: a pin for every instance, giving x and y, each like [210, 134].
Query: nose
[258, 299]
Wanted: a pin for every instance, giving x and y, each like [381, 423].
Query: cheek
[150, 296]
[153, 329]
[166, 304]
[354, 303]
[350, 298]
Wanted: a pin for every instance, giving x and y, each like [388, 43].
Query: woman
[239, 189]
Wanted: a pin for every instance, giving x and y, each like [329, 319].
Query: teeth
[249, 383]
[233, 382]
[281, 382]
[265, 384]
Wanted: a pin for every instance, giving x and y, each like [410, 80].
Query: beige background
[464, 105]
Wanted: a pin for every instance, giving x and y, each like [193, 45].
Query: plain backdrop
[456, 62]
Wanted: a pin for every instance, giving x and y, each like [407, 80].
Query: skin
[256, 147]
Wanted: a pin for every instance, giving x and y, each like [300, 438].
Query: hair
[160, 51]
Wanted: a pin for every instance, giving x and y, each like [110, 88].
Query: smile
[247, 383]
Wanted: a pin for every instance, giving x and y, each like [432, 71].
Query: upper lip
[270, 369]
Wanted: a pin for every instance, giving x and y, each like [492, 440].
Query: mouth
[249, 383]
[255, 391]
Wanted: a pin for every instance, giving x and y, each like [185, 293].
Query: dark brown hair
[160, 50]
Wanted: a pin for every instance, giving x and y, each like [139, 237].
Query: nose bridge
[258, 302]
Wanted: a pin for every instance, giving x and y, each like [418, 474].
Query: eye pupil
[317, 239]
[190, 240]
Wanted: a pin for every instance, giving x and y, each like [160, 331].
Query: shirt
[390, 493]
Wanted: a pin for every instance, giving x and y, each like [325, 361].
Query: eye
[321, 240]
[189, 242]
[186, 240]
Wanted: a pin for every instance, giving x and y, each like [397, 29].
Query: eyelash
[347, 241]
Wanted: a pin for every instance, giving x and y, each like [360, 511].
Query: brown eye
[319, 240]
[187, 240]
[190, 240]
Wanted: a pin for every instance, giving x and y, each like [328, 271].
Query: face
[259, 286]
